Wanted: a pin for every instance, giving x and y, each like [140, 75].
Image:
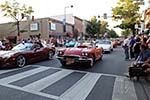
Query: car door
[31, 54]
[39, 52]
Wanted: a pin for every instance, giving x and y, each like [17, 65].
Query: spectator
[140, 62]
[131, 44]
[146, 67]
[144, 54]
[1, 45]
[136, 47]
[126, 47]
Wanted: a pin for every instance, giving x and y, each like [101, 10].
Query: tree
[94, 27]
[127, 11]
[103, 27]
[112, 34]
[75, 35]
[126, 32]
[15, 11]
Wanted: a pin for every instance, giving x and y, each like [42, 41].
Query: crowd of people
[6, 45]
[138, 48]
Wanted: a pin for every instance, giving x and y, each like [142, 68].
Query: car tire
[63, 63]
[21, 61]
[101, 58]
[50, 55]
[91, 63]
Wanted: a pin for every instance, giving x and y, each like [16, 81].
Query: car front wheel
[20, 61]
[91, 63]
[50, 54]
[63, 63]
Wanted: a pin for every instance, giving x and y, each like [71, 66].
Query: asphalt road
[49, 80]
[112, 63]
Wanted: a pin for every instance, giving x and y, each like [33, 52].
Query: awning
[11, 37]
[69, 34]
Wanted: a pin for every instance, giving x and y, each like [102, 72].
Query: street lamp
[136, 27]
[64, 21]
[99, 25]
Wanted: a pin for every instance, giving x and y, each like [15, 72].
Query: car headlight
[84, 53]
[60, 52]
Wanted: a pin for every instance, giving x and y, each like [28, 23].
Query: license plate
[70, 60]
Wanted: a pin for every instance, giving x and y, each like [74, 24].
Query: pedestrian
[136, 47]
[131, 44]
[1, 45]
[126, 47]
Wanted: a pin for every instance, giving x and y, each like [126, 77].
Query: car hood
[8, 53]
[104, 46]
[75, 51]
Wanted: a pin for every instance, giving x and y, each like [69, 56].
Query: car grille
[76, 57]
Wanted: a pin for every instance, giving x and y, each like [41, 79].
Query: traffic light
[22, 15]
[105, 15]
[32, 18]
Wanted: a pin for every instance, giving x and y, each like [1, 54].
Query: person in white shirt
[126, 47]
[1, 45]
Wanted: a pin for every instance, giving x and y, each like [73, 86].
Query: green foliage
[126, 32]
[113, 34]
[103, 27]
[94, 27]
[127, 11]
[15, 11]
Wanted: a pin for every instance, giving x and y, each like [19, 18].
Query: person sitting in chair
[137, 69]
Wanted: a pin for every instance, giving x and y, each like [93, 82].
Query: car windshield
[25, 46]
[99, 42]
[106, 42]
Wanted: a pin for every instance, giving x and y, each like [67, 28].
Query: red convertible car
[87, 54]
[25, 53]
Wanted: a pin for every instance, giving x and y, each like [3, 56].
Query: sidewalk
[146, 87]
[142, 88]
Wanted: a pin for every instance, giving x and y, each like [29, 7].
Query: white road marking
[22, 75]
[82, 89]
[47, 81]
[31, 91]
[124, 89]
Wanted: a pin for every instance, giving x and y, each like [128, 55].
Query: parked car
[71, 44]
[80, 54]
[105, 44]
[114, 43]
[25, 53]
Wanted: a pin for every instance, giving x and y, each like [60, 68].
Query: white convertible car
[105, 44]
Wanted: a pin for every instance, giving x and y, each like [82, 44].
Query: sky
[84, 9]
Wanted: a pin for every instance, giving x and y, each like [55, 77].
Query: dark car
[25, 53]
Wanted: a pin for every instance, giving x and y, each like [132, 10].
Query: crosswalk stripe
[123, 89]
[30, 91]
[22, 75]
[47, 81]
[81, 89]
[5, 71]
